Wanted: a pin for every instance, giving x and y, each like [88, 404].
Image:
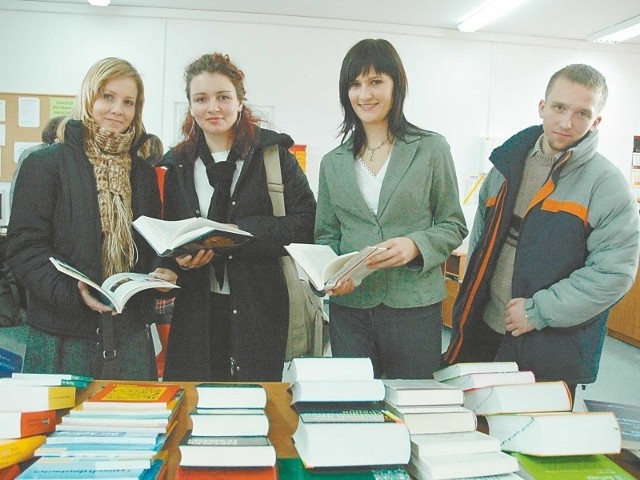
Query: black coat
[55, 213]
[259, 298]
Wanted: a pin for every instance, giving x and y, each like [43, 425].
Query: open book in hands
[172, 238]
[116, 290]
[325, 268]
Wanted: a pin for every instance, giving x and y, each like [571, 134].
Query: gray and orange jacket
[577, 255]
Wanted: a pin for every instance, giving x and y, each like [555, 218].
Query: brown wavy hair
[244, 131]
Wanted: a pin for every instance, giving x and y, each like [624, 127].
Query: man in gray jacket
[554, 245]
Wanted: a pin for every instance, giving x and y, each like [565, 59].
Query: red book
[10, 472]
[25, 424]
[206, 473]
[131, 396]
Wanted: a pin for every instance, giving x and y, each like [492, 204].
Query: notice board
[22, 118]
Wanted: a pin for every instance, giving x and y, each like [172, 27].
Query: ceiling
[554, 19]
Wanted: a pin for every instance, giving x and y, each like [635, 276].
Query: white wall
[464, 88]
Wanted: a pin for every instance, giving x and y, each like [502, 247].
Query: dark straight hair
[382, 57]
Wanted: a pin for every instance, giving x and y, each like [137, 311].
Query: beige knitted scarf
[109, 153]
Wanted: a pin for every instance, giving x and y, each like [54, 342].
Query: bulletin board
[22, 118]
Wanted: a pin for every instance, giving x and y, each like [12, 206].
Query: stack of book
[30, 406]
[342, 419]
[534, 419]
[118, 432]
[229, 435]
[444, 440]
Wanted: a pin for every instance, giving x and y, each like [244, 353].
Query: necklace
[374, 150]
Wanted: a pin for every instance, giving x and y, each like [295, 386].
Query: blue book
[68, 437]
[9, 363]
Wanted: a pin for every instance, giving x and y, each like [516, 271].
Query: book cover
[579, 467]
[421, 392]
[10, 472]
[458, 369]
[460, 443]
[26, 424]
[131, 396]
[66, 467]
[479, 380]
[15, 450]
[294, 469]
[80, 412]
[325, 268]
[337, 391]
[231, 425]
[444, 467]
[519, 398]
[341, 412]
[230, 395]
[116, 290]
[434, 418]
[226, 451]
[10, 362]
[238, 473]
[188, 236]
[114, 421]
[556, 433]
[329, 369]
[47, 379]
[30, 398]
[628, 418]
[100, 437]
[110, 451]
[322, 445]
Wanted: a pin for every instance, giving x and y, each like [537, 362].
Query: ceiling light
[99, 3]
[618, 33]
[486, 13]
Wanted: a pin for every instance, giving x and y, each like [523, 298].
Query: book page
[354, 268]
[313, 259]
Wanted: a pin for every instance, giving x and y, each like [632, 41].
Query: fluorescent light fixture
[488, 12]
[99, 3]
[618, 33]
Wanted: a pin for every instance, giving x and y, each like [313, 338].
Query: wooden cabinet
[447, 304]
[624, 320]
[453, 271]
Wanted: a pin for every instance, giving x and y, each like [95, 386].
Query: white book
[226, 451]
[338, 391]
[231, 395]
[117, 289]
[181, 237]
[330, 369]
[458, 369]
[479, 380]
[421, 392]
[528, 397]
[444, 467]
[557, 433]
[230, 425]
[435, 418]
[459, 443]
[325, 268]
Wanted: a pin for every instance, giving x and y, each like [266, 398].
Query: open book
[117, 289]
[172, 238]
[325, 269]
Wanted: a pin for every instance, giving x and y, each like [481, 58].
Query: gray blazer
[419, 199]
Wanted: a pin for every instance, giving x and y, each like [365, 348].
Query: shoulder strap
[271, 158]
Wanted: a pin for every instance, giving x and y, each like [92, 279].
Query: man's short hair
[583, 75]
[50, 131]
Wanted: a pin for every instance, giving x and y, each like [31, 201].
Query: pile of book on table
[229, 435]
[30, 406]
[118, 432]
[444, 440]
[534, 421]
[342, 421]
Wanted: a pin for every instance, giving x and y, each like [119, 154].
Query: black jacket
[259, 298]
[55, 213]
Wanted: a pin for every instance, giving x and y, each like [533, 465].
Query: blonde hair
[92, 87]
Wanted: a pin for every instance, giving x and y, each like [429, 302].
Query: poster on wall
[28, 112]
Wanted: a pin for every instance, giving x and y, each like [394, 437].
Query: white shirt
[369, 183]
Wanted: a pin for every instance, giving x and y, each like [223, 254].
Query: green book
[579, 467]
[293, 469]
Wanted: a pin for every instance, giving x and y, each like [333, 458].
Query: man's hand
[187, 262]
[516, 319]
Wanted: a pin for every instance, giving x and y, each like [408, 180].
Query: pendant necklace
[374, 150]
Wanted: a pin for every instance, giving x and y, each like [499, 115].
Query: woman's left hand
[166, 275]
[400, 251]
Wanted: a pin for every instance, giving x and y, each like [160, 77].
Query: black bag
[12, 313]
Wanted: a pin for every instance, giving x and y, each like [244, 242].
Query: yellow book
[33, 398]
[17, 450]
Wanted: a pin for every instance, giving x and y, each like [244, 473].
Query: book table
[283, 422]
